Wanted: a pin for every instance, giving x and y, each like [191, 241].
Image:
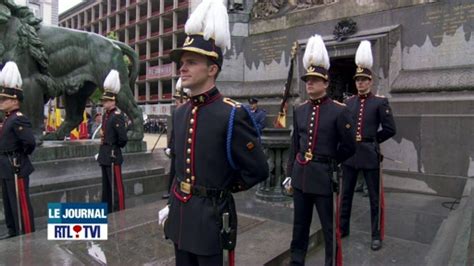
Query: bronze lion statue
[55, 61]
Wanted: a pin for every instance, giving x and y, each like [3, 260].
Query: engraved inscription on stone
[269, 49]
[447, 21]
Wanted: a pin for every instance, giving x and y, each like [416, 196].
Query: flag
[74, 134]
[83, 132]
[50, 125]
[280, 120]
[57, 119]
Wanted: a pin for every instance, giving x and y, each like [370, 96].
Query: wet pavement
[412, 223]
[135, 238]
[264, 235]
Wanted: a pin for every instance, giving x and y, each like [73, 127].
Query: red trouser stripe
[118, 180]
[24, 207]
[231, 257]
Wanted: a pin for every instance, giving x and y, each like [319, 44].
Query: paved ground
[411, 225]
[150, 140]
[265, 233]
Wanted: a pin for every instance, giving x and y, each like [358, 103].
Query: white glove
[163, 215]
[168, 152]
[96, 156]
[287, 185]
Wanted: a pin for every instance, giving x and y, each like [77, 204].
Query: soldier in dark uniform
[322, 138]
[113, 138]
[259, 115]
[216, 147]
[17, 142]
[371, 113]
[180, 98]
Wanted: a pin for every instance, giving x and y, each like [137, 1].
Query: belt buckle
[359, 138]
[308, 156]
[185, 187]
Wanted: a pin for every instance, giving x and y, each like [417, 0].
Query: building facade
[421, 50]
[422, 63]
[47, 10]
[152, 27]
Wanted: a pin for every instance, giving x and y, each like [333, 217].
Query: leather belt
[366, 140]
[201, 191]
[318, 158]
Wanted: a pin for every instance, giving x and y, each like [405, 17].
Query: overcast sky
[66, 4]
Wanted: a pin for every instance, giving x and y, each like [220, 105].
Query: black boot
[376, 244]
[10, 234]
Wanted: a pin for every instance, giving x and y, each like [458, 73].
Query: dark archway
[341, 85]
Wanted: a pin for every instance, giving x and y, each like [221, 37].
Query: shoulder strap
[230, 128]
[259, 134]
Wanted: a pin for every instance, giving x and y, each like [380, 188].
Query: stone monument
[58, 62]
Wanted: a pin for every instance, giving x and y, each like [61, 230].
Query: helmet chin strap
[364, 92]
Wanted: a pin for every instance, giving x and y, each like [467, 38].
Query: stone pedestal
[277, 144]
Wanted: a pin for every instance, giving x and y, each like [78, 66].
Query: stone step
[80, 179]
[136, 238]
[414, 182]
[57, 150]
[90, 190]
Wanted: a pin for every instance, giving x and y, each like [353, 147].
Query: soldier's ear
[213, 70]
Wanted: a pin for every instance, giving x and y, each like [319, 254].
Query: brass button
[309, 143]
[190, 140]
[313, 113]
[311, 131]
[311, 125]
[190, 131]
[314, 108]
[188, 170]
[189, 151]
[311, 137]
[187, 180]
[312, 118]
[194, 110]
[191, 121]
[188, 161]
[193, 178]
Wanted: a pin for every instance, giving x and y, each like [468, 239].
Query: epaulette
[231, 102]
[339, 103]
[19, 114]
[117, 112]
[380, 96]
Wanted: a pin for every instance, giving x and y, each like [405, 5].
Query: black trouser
[10, 206]
[171, 176]
[184, 258]
[303, 204]
[372, 179]
[119, 193]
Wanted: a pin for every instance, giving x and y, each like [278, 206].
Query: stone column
[276, 143]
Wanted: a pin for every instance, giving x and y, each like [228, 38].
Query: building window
[36, 9]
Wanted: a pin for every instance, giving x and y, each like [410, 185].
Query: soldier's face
[254, 106]
[7, 104]
[108, 104]
[316, 86]
[195, 70]
[363, 84]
